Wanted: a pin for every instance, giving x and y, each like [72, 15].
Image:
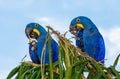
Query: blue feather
[91, 38]
[36, 54]
[33, 54]
[79, 41]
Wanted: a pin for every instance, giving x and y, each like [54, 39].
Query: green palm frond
[72, 64]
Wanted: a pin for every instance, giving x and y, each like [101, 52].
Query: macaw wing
[54, 50]
[100, 50]
[33, 54]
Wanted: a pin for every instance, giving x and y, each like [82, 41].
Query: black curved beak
[74, 29]
[30, 33]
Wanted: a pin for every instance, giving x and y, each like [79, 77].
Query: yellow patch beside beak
[80, 25]
[36, 31]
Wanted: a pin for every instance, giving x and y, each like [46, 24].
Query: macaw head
[34, 30]
[78, 24]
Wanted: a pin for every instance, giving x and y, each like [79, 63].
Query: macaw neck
[43, 34]
[89, 26]
[42, 30]
[42, 38]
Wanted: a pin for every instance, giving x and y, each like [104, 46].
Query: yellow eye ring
[78, 20]
[36, 25]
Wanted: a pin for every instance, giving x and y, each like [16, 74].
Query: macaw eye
[36, 25]
[78, 20]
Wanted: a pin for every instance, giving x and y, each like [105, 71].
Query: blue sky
[15, 15]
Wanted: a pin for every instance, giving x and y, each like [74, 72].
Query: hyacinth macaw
[89, 38]
[37, 36]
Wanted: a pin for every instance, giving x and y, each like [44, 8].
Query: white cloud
[56, 24]
[112, 43]
[44, 20]
[53, 22]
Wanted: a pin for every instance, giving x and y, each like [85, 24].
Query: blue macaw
[90, 40]
[37, 36]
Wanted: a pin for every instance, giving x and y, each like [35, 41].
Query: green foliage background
[72, 64]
